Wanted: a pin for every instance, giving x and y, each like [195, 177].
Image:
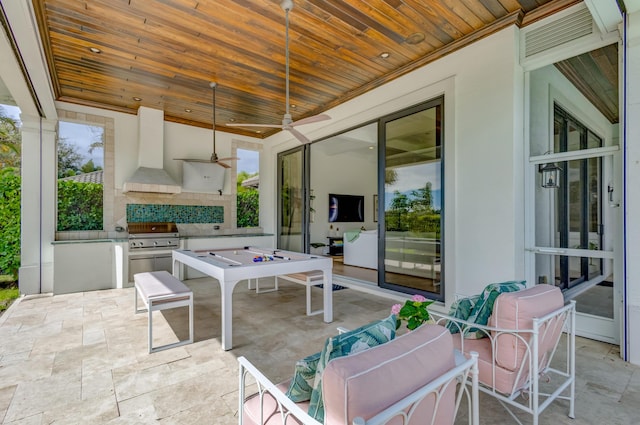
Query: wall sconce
[550, 175]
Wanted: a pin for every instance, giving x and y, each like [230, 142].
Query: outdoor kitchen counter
[223, 235]
[125, 238]
[106, 260]
[106, 240]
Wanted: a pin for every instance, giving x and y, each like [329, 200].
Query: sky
[12, 111]
[249, 161]
[82, 136]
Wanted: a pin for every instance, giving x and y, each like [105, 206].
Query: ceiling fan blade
[193, 160]
[233, 124]
[223, 164]
[230, 158]
[287, 123]
[309, 120]
[301, 137]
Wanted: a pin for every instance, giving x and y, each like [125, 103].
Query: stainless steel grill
[150, 246]
[153, 236]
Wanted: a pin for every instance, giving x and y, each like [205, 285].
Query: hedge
[10, 193]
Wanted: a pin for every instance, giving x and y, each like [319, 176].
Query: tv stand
[336, 245]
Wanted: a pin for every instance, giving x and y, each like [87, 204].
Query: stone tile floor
[82, 358]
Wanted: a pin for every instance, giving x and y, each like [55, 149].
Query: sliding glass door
[292, 206]
[411, 201]
[579, 202]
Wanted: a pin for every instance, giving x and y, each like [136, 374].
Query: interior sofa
[361, 248]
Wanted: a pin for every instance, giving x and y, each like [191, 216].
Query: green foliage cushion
[301, 384]
[484, 306]
[461, 309]
[355, 341]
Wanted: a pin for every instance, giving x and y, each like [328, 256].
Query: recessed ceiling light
[232, 120]
[371, 147]
[385, 55]
[137, 99]
[94, 50]
[188, 110]
[258, 131]
[293, 106]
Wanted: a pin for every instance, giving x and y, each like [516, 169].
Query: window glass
[248, 188]
[80, 176]
[413, 202]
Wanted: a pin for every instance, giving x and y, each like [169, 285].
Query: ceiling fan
[214, 156]
[287, 122]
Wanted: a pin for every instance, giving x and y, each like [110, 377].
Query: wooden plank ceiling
[162, 54]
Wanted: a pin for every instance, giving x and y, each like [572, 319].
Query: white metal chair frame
[466, 371]
[528, 397]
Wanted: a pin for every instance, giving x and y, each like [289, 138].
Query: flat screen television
[346, 208]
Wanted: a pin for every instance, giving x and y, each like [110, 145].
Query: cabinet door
[163, 262]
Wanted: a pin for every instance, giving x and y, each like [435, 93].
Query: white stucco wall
[483, 87]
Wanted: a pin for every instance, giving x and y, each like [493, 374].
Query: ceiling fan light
[385, 55]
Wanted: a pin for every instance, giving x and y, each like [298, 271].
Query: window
[80, 176]
[248, 188]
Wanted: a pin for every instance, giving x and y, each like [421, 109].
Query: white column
[632, 179]
[38, 207]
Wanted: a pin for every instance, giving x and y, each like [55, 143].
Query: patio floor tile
[82, 358]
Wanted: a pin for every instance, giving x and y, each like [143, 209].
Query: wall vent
[568, 28]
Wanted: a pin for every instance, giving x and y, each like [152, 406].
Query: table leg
[176, 269]
[226, 305]
[327, 295]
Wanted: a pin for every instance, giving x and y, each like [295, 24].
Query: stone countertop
[125, 238]
[223, 235]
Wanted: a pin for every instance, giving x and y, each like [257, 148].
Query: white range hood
[150, 175]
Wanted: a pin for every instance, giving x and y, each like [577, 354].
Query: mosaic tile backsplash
[137, 213]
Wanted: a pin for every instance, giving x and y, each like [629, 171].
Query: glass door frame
[563, 225]
[595, 327]
[437, 101]
[305, 174]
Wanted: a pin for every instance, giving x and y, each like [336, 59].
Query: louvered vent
[563, 30]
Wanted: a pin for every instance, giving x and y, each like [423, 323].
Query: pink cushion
[503, 380]
[251, 411]
[515, 310]
[368, 382]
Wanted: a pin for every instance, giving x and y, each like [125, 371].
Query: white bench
[309, 279]
[161, 291]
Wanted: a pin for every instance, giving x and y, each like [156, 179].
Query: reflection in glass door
[578, 202]
[412, 200]
[292, 222]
